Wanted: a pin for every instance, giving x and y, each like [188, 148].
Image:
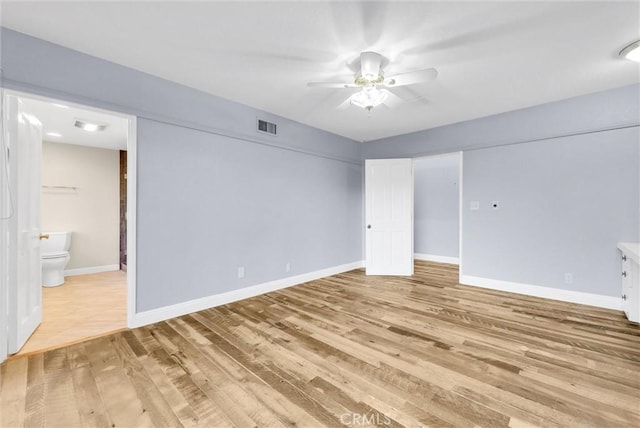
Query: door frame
[132, 176]
[5, 198]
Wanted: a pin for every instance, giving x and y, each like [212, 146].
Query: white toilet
[54, 253]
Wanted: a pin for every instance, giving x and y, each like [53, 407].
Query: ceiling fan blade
[392, 100]
[411, 78]
[370, 64]
[338, 85]
[410, 95]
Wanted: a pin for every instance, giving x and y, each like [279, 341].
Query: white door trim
[131, 208]
[4, 231]
[132, 216]
[460, 214]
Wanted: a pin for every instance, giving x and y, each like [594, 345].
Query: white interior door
[24, 140]
[389, 216]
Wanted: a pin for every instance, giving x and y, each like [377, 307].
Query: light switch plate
[474, 205]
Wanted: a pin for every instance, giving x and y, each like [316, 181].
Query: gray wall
[208, 205]
[598, 111]
[564, 204]
[213, 194]
[43, 68]
[436, 206]
[567, 176]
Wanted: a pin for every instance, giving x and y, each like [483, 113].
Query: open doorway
[83, 221]
[437, 215]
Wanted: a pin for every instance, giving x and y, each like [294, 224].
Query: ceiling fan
[370, 79]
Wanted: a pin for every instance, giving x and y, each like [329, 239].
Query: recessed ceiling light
[54, 134]
[90, 126]
[60, 105]
[631, 51]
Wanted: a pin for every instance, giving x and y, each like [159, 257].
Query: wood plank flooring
[347, 350]
[85, 306]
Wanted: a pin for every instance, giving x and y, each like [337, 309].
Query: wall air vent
[267, 127]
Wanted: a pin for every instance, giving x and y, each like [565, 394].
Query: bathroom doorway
[88, 191]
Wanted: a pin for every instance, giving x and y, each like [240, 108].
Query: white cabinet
[630, 279]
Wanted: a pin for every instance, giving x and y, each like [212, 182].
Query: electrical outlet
[568, 278]
[287, 267]
[474, 205]
[241, 272]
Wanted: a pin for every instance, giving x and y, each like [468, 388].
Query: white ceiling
[491, 56]
[60, 119]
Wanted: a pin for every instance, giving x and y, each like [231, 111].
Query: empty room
[331, 213]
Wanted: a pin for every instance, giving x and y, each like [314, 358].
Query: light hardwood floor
[85, 306]
[346, 350]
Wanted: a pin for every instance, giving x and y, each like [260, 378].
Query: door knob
[368, 226]
[44, 236]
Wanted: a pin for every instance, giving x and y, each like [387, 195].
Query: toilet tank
[58, 241]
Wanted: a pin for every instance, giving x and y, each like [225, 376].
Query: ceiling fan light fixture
[369, 79]
[368, 98]
[631, 51]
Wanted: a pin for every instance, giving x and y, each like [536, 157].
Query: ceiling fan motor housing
[370, 69]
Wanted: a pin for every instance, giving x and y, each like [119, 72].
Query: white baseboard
[92, 269]
[438, 259]
[571, 296]
[155, 315]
